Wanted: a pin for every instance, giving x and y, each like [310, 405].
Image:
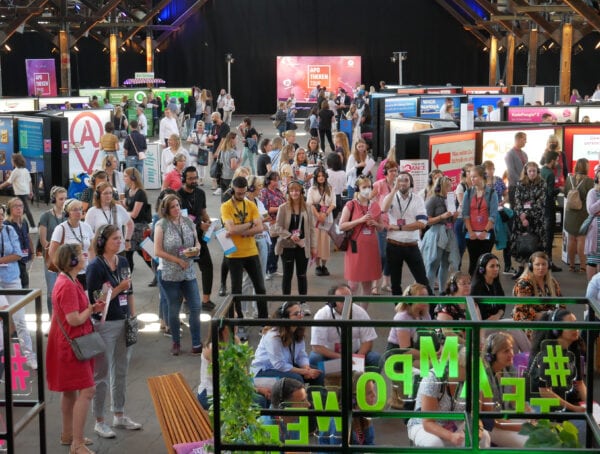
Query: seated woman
[437, 394]
[536, 281]
[282, 350]
[570, 391]
[286, 393]
[407, 337]
[459, 284]
[498, 354]
[486, 282]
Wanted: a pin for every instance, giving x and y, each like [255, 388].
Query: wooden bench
[181, 418]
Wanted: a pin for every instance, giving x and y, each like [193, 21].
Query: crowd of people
[283, 202]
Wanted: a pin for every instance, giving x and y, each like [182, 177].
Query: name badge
[449, 225]
[367, 231]
[401, 222]
[479, 219]
[122, 300]
[527, 205]
[338, 347]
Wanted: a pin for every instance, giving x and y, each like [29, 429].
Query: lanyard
[80, 238]
[402, 211]
[179, 230]
[2, 239]
[114, 274]
[479, 201]
[108, 219]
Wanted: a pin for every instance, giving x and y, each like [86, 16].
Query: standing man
[242, 221]
[407, 216]
[515, 159]
[142, 121]
[550, 162]
[168, 127]
[342, 103]
[193, 199]
[496, 114]
[326, 341]
[135, 143]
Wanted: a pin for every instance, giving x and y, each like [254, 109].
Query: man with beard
[407, 216]
[242, 221]
[193, 199]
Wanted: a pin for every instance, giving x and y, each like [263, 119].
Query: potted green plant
[548, 434]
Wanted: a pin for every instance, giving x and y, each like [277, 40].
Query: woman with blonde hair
[321, 200]
[574, 218]
[120, 123]
[228, 155]
[459, 225]
[287, 155]
[359, 163]
[342, 147]
[110, 164]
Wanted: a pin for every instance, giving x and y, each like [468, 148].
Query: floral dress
[529, 199]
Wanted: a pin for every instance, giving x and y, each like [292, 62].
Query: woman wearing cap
[591, 250]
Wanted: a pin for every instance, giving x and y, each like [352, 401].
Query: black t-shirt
[261, 164]
[220, 131]
[250, 133]
[98, 272]
[325, 116]
[194, 202]
[144, 216]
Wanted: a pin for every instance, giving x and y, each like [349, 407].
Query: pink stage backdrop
[300, 75]
[41, 77]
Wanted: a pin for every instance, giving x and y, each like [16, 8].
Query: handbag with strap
[526, 244]
[87, 346]
[131, 331]
[140, 154]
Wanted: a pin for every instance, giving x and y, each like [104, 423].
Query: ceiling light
[7, 48]
[597, 46]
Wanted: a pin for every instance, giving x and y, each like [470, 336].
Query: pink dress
[64, 372]
[365, 264]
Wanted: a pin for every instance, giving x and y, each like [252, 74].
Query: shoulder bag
[216, 169]
[131, 331]
[341, 239]
[87, 346]
[141, 155]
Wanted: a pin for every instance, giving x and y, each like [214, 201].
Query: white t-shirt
[20, 180]
[97, 217]
[166, 159]
[328, 336]
[167, 126]
[82, 234]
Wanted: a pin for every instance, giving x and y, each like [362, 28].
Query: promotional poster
[532, 114]
[405, 106]
[85, 129]
[431, 105]
[41, 77]
[450, 152]
[301, 75]
[32, 143]
[7, 145]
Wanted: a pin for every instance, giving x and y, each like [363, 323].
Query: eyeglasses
[76, 209]
[297, 313]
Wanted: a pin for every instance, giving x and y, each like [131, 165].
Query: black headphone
[7, 209]
[331, 292]
[361, 178]
[252, 186]
[544, 257]
[187, 170]
[101, 240]
[483, 261]
[463, 172]
[53, 192]
[430, 179]
[596, 180]
[94, 176]
[410, 177]
[108, 162]
[490, 356]
[282, 312]
[453, 285]
[277, 392]
[74, 259]
[556, 332]
[132, 177]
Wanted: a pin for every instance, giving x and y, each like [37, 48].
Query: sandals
[67, 441]
[80, 449]
[375, 290]
[572, 269]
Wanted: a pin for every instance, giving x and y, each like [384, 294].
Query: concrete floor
[151, 355]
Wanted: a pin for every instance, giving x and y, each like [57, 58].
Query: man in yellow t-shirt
[242, 221]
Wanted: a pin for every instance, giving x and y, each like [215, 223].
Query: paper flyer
[226, 243]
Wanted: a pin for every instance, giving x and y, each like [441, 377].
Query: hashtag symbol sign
[19, 373]
[557, 365]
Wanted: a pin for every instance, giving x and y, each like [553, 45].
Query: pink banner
[41, 77]
[534, 114]
[301, 75]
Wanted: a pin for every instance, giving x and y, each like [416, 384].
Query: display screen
[533, 114]
[492, 100]
[593, 112]
[18, 104]
[58, 102]
[431, 105]
[449, 152]
[7, 145]
[403, 105]
[496, 143]
[583, 142]
[31, 142]
[301, 75]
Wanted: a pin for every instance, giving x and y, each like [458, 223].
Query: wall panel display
[32, 143]
[492, 100]
[406, 106]
[300, 75]
[58, 102]
[593, 112]
[18, 104]
[499, 142]
[533, 114]
[430, 105]
[85, 129]
[583, 142]
[7, 144]
[449, 152]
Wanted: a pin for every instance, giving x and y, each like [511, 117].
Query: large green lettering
[273, 431]
[518, 397]
[449, 356]
[405, 376]
[361, 397]
[331, 404]
[484, 384]
[545, 403]
[302, 428]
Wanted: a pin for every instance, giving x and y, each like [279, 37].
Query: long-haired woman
[459, 225]
[359, 163]
[592, 238]
[362, 264]
[229, 157]
[530, 201]
[321, 200]
[120, 123]
[342, 147]
[580, 182]
[297, 239]
[65, 373]
[138, 208]
[110, 164]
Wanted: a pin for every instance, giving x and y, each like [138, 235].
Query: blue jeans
[319, 381]
[163, 305]
[174, 291]
[50, 281]
[133, 161]
[248, 156]
[371, 359]
[461, 241]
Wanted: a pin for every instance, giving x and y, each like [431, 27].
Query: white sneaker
[217, 191]
[33, 230]
[268, 277]
[102, 429]
[306, 309]
[32, 362]
[125, 422]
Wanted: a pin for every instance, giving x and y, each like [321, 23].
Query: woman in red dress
[64, 372]
[362, 263]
